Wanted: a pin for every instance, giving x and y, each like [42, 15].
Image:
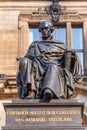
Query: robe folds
[45, 66]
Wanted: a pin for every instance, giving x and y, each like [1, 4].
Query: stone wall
[8, 42]
[2, 112]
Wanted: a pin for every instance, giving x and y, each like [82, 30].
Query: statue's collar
[51, 41]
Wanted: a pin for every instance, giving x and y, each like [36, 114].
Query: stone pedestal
[34, 115]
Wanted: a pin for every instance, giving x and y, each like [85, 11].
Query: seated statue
[49, 69]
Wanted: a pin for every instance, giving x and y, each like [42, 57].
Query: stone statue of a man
[43, 72]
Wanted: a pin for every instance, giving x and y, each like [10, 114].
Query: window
[77, 43]
[77, 40]
[60, 34]
[34, 34]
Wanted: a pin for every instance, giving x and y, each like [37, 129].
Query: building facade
[19, 22]
[17, 18]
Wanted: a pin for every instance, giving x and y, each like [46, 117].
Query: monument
[45, 86]
[50, 63]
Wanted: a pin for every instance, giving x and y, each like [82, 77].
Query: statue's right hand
[19, 58]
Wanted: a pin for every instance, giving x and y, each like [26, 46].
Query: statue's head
[46, 23]
[46, 28]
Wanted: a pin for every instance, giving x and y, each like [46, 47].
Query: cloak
[45, 66]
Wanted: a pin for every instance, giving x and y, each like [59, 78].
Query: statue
[49, 69]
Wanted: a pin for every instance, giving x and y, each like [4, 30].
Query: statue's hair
[46, 23]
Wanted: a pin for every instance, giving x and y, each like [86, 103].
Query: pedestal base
[34, 115]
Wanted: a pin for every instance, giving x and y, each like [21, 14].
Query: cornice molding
[63, 18]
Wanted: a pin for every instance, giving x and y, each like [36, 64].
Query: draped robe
[44, 67]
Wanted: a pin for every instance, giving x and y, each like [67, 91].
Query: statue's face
[46, 32]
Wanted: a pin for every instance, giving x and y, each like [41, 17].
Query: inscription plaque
[57, 113]
[43, 116]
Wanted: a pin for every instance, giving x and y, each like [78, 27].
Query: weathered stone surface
[2, 112]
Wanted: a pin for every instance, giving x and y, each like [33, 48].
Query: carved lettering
[30, 120]
[55, 119]
[43, 115]
[43, 112]
[52, 119]
[17, 113]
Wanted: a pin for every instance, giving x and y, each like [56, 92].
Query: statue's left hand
[70, 50]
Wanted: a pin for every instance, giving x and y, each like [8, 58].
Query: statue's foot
[48, 95]
[31, 95]
[22, 97]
